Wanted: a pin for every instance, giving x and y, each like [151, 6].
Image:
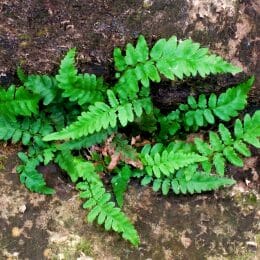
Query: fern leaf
[166, 162]
[251, 131]
[167, 57]
[226, 106]
[120, 183]
[200, 113]
[232, 101]
[188, 180]
[100, 116]
[22, 130]
[18, 102]
[82, 88]
[87, 141]
[230, 146]
[44, 86]
[200, 183]
[97, 199]
[8, 126]
[186, 58]
[30, 177]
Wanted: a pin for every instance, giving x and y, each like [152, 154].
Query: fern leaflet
[120, 183]
[224, 146]
[83, 88]
[18, 102]
[159, 161]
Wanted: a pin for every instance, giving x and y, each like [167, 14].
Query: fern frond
[187, 180]
[82, 88]
[120, 183]
[201, 112]
[87, 141]
[224, 145]
[170, 58]
[97, 202]
[18, 102]
[30, 177]
[44, 86]
[199, 183]
[159, 161]
[185, 58]
[22, 130]
[102, 116]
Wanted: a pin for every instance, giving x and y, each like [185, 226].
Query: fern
[170, 58]
[30, 177]
[102, 116]
[44, 86]
[97, 199]
[15, 102]
[160, 161]
[120, 183]
[82, 88]
[187, 180]
[196, 114]
[224, 146]
[88, 116]
[23, 130]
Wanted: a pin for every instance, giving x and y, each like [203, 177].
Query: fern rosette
[61, 118]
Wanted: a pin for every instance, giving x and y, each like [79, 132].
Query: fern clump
[58, 118]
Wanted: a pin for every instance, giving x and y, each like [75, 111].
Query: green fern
[187, 180]
[196, 114]
[161, 161]
[82, 88]
[44, 86]
[170, 58]
[97, 202]
[224, 146]
[88, 118]
[29, 175]
[102, 116]
[18, 102]
[120, 183]
[23, 130]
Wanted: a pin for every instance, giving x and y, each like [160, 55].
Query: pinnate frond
[226, 146]
[44, 86]
[30, 177]
[98, 200]
[159, 161]
[81, 88]
[170, 58]
[204, 111]
[102, 116]
[18, 102]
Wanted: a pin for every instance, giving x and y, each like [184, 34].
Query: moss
[85, 247]
[257, 239]
[69, 222]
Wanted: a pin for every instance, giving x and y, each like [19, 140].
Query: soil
[219, 225]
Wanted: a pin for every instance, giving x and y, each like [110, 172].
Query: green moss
[85, 247]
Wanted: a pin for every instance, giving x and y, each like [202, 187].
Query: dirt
[209, 226]
[220, 225]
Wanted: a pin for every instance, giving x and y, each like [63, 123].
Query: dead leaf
[16, 232]
[186, 241]
[115, 158]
